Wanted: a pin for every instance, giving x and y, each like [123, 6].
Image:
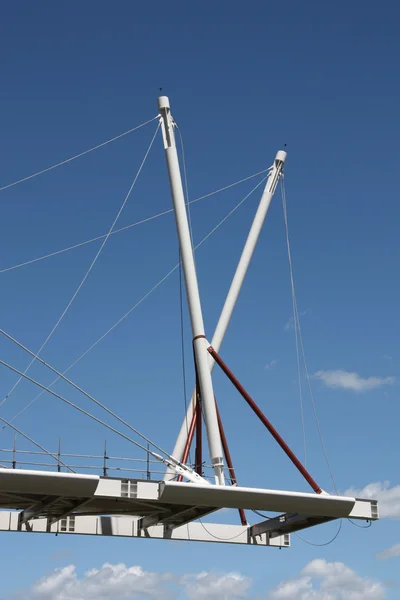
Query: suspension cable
[183, 358]
[300, 338]
[186, 188]
[264, 516]
[81, 410]
[295, 321]
[89, 269]
[21, 433]
[142, 299]
[82, 391]
[141, 222]
[68, 160]
[186, 194]
[324, 543]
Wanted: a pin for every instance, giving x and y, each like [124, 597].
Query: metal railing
[147, 468]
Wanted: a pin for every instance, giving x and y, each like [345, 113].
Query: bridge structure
[136, 499]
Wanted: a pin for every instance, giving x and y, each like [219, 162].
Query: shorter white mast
[196, 316]
[274, 174]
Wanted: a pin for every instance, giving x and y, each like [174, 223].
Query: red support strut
[188, 442]
[229, 462]
[265, 421]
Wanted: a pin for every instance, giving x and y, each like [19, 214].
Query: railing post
[59, 456]
[105, 473]
[14, 463]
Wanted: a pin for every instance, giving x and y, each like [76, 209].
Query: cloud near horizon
[117, 582]
[388, 498]
[271, 365]
[318, 580]
[350, 380]
[323, 580]
[390, 552]
[290, 322]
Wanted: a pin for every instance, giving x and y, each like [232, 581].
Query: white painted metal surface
[195, 311]
[43, 501]
[21, 481]
[234, 290]
[257, 499]
[125, 526]
[19, 488]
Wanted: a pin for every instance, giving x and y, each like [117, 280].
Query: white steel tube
[192, 289]
[234, 290]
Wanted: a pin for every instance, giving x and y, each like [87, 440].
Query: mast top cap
[163, 102]
[281, 155]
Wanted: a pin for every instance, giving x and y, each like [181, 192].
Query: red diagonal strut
[188, 441]
[196, 425]
[264, 420]
[229, 462]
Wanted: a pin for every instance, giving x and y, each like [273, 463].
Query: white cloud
[271, 365]
[211, 586]
[319, 580]
[388, 498]
[349, 380]
[108, 582]
[390, 552]
[290, 323]
[118, 582]
[322, 580]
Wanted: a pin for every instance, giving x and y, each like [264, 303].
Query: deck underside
[49, 502]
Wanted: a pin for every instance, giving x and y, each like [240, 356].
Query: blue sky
[243, 80]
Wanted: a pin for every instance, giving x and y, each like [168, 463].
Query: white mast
[196, 317]
[241, 270]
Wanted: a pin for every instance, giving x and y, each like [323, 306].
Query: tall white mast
[196, 317]
[234, 290]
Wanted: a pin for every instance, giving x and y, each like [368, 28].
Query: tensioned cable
[183, 359]
[296, 335]
[142, 299]
[186, 193]
[299, 341]
[77, 387]
[186, 188]
[295, 325]
[191, 238]
[314, 407]
[100, 237]
[78, 408]
[257, 512]
[68, 160]
[89, 269]
[324, 543]
[21, 433]
[369, 524]
[216, 537]
[296, 318]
